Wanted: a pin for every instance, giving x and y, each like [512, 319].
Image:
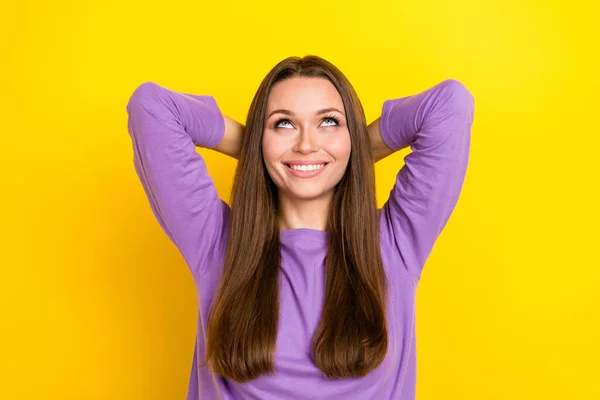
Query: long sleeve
[165, 127]
[436, 124]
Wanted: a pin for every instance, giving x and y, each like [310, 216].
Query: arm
[436, 124]
[379, 148]
[232, 140]
[165, 127]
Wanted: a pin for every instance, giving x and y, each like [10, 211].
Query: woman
[306, 290]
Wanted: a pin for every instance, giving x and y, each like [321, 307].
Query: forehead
[304, 95]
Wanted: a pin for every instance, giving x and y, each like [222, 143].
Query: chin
[308, 195]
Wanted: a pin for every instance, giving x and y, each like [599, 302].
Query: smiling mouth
[306, 168]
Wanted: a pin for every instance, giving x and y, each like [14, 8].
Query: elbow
[144, 94]
[140, 105]
[459, 96]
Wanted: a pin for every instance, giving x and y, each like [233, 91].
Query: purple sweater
[165, 127]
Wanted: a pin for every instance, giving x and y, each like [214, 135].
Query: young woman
[305, 289]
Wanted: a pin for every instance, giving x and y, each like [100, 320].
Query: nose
[306, 142]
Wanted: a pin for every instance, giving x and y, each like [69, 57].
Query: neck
[302, 213]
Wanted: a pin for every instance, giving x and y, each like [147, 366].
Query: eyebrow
[289, 112]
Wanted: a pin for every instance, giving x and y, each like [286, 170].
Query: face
[305, 125]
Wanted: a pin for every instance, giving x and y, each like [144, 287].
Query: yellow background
[98, 304]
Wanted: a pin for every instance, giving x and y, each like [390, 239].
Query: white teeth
[307, 167]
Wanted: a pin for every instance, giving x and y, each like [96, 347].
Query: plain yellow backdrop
[98, 304]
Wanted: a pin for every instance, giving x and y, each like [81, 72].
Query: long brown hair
[351, 338]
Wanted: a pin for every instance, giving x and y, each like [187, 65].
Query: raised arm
[436, 124]
[165, 128]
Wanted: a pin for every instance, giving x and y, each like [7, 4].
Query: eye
[329, 117]
[280, 120]
[332, 118]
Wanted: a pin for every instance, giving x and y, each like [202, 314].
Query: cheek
[339, 147]
[270, 150]
[274, 147]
